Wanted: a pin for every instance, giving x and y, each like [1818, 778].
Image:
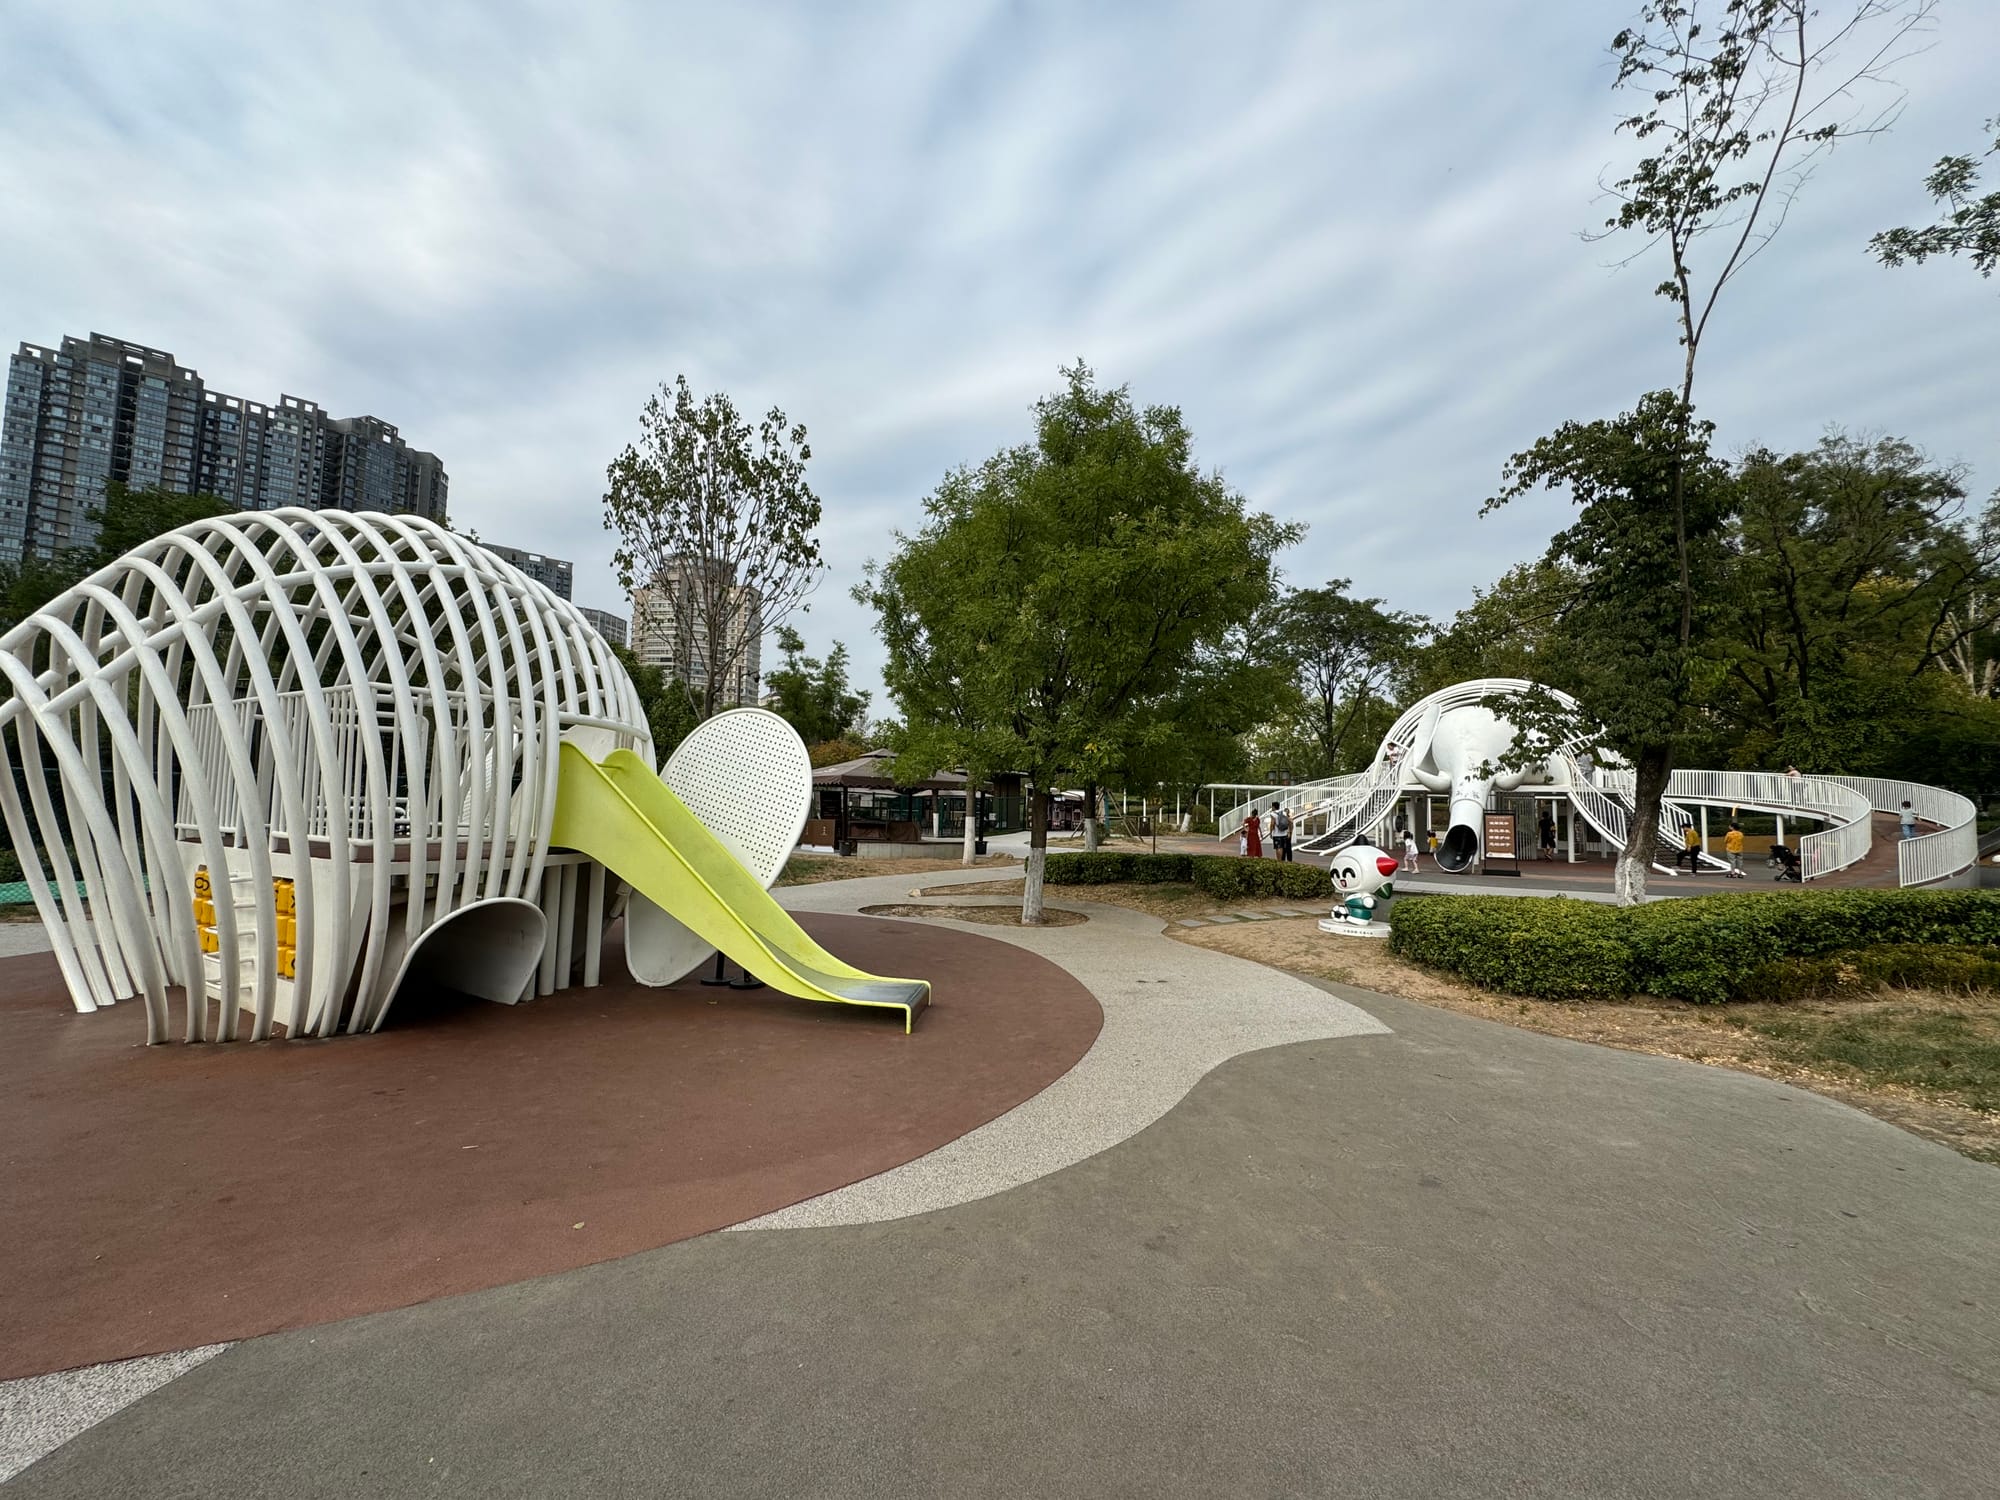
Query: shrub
[1228, 878]
[1225, 877]
[1558, 949]
[1890, 965]
[1704, 949]
[10, 867]
[1106, 867]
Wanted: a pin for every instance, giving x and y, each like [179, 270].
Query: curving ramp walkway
[1172, 1014]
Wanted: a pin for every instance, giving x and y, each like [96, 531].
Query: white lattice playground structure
[1449, 744]
[288, 761]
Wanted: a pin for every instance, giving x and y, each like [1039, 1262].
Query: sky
[1344, 239]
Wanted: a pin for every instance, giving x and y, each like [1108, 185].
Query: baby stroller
[1785, 862]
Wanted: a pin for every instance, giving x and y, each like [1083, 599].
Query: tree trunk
[1038, 857]
[971, 822]
[1090, 818]
[1649, 785]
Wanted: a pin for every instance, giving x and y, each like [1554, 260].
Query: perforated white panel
[747, 776]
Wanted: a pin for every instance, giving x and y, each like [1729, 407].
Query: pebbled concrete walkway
[1455, 1260]
[1172, 1014]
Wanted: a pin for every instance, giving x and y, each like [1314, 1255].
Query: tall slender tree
[716, 523]
[1739, 99]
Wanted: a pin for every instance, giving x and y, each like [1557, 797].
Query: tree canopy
[812, 695]
[717, 520]
[1858, 585]
[1969, 225]
[1061, 596]
[124, 519]
[1347, 652]
[1652, 508]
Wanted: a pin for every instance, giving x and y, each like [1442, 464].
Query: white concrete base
[1354, 929]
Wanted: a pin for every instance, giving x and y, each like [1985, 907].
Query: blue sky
[1343, 238]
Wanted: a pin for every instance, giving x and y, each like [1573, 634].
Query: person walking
[1908, 815]
[1281, 834]
[1732, 845]
[1794, 783]
[1253, 837]
[1546, 834]
[1410, 852]
[1690, 850]
[1270, 830]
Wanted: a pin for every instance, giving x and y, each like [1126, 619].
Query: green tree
[718, 522]
[669, 706]
[1652, 508]
[1504, 632]
[1741, 96]
[1970, 225]
[1347, 652]
[1195, 731]
[814, 696]
[1057, 596]
[1738, 99]
[123, 520]
[1857, 575]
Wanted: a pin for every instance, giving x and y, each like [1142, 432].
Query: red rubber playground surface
[160, 1198]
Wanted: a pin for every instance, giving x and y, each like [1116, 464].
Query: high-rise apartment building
[670, 630]
[366, 465]
[551, 572]
[608, 625]
[100, 410]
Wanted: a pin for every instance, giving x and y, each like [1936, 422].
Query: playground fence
[1952, 848]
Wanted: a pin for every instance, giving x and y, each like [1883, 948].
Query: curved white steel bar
[345, 727]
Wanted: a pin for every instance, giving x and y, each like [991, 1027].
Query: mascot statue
[1361, 879]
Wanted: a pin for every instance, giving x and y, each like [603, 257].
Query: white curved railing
[1598, 801]
[1358, 803]
[1844, 803]
[1949, 851]
[1849, 833]
[1230, 819]
[1297, 800]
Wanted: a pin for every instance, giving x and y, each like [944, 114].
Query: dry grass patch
[988, 916]
[812, 869]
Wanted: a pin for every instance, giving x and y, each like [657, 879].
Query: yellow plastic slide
[622, 815]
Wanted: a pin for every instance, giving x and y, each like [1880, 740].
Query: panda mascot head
[1361, 877]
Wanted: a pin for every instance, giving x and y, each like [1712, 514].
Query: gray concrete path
[1453, 1260]
[1172, 1013]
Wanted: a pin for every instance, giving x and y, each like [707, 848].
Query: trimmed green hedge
[1226, 877]
[1702, 949]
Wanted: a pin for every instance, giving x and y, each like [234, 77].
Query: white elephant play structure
[1456, 744]
[288, 762]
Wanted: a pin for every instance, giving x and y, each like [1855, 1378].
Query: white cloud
[1344, 241]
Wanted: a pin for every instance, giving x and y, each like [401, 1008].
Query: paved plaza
[1349, 1246]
